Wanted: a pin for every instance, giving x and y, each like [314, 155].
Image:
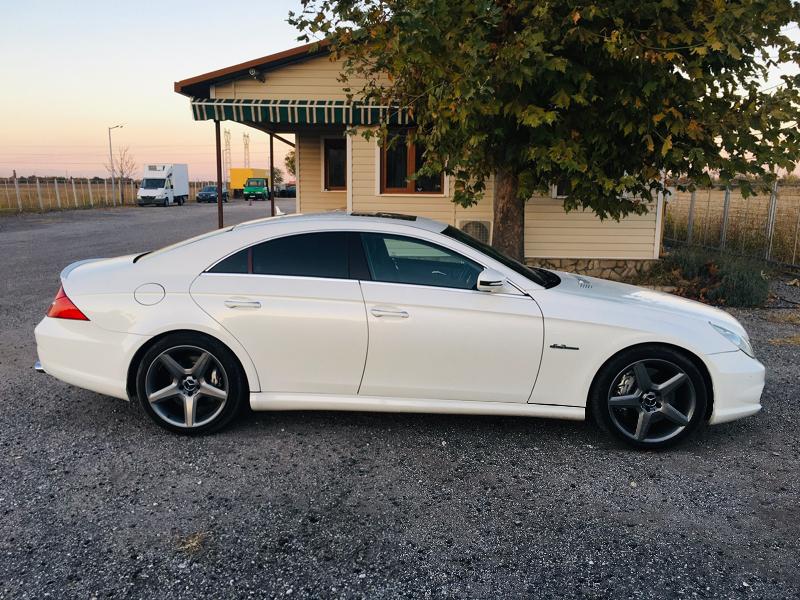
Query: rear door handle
[242, 303]
[387, 312]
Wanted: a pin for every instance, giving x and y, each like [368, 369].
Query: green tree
[604, 97]
[289, 163]
[277, 176]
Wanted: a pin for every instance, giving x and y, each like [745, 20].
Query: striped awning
[298, 112]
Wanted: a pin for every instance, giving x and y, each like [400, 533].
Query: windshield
[209, 188]
[256, 183]
[152, 184]
[543, 277]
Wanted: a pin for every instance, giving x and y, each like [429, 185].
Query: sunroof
[385, 215]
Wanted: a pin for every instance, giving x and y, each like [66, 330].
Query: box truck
[163, 185]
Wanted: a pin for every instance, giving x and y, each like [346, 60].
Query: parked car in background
[164, 185]
[392, 313]
[255, 188]
[287, 191]
[209, 194]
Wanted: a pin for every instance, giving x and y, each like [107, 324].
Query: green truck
[256, 188]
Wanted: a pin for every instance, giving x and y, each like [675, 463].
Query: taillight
[63, 308]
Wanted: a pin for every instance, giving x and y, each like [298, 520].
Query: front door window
[400, 259]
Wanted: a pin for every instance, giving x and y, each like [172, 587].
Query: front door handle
[242, 303]
[387, 312]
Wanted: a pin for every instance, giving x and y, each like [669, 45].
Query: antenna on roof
[257, 75]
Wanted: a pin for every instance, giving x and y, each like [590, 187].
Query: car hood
[658, 304]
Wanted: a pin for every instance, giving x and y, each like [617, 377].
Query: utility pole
[226, 156]
[246, 141]
[111, 163]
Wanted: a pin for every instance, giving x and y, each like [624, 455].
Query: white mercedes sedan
[381, 312]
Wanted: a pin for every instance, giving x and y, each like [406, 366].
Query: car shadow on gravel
[102, 415]
[115, 417]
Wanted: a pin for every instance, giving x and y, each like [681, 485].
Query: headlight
[737, 340]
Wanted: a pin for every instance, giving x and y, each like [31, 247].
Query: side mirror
[491, 281]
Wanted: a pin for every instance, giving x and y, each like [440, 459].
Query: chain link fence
[42, 194]
[764, 226]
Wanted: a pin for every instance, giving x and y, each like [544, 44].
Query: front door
[293, 306]
[432, 335]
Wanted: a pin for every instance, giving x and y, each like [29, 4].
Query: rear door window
[322, 254]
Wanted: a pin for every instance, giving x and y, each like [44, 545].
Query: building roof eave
[200, 85]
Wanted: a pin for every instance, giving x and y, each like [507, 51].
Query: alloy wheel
[652, 401]
[186, 386]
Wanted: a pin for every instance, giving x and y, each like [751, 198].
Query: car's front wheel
[649, 397]
[190, 383]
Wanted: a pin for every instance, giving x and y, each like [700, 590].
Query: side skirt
[287, 401]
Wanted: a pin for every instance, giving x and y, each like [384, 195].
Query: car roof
[339, 218]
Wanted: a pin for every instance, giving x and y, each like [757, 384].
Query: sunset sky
[71, 69]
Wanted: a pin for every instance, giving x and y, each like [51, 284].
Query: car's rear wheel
[190, 383]
[649, 397]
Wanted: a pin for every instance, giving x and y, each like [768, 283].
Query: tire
[185, 394]
[649, 397]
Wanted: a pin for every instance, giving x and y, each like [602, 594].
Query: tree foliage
[605, 96]
[277, 176]
[289, 163]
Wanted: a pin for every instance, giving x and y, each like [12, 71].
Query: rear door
[294, 306]
[433, 335]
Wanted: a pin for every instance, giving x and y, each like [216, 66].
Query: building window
[560, 189]
[399, 162]
[335, 159]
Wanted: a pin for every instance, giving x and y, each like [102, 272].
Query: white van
[164, 184]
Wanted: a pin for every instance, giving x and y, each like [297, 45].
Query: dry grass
[193, 543]
[792, 340]
[747, 221]
[792, 317]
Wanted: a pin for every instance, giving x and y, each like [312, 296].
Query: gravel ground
[95, 501]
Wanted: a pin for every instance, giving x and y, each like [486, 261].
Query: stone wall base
[614, 269]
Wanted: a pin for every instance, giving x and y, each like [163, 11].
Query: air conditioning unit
[480, 230]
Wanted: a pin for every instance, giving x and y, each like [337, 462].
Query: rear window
[176, 245]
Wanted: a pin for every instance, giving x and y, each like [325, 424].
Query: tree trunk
[509, 216]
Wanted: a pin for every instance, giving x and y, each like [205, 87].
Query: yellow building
[298, 92]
